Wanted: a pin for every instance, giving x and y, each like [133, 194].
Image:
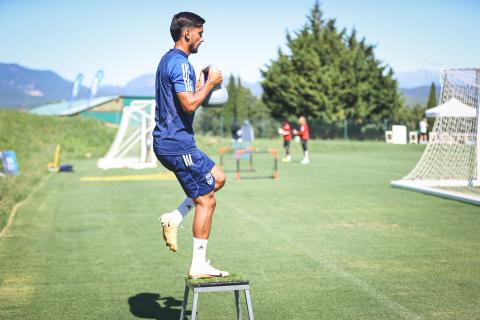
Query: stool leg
[184, 303]
[194, 306]
[249, 304]
[237, 304]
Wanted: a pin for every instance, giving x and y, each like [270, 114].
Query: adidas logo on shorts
[187, 159]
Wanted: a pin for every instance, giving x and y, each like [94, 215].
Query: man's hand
[200, 82]
[190, 101]
[214, 76]
[211, 74]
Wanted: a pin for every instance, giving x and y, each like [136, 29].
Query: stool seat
[217, 285]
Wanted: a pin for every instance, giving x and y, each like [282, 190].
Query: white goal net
[450, 164]
[133, 144]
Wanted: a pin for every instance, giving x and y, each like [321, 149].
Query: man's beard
[193, 48]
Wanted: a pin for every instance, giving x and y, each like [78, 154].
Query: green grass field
[330, 240]
[33, 138]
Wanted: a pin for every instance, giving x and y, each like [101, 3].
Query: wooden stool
[217, 285]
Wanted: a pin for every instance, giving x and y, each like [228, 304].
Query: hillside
[21, 87]
[33, 138]
[417, 95]
[144, 85]
[27, 88]
[417, 78]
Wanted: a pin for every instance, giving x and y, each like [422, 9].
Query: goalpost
[450, 164]
[133, 144]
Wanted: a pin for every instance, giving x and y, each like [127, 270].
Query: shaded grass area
[330, 240]
[33, 138]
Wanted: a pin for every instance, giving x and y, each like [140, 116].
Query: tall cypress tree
[432, 97]
[240, 110]
[229, 111]
[329, 75]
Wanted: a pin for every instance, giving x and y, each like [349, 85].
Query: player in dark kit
[178, 95]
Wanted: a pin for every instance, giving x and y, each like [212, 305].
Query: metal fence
[268, 128]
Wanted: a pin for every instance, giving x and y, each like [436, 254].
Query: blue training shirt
[173, 133]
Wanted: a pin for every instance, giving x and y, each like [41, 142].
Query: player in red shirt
[286, 132]
[304, 136]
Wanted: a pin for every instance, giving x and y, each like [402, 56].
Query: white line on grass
[334, 268]
[390, 304]
[15, 208]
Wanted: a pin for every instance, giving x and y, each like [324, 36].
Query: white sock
[305, 154]
[177, 215]
[199, 252]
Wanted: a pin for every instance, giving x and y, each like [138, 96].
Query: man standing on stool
[177, 96]
[304, 136]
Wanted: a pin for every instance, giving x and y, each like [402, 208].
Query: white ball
[219, 94]
[217, 97]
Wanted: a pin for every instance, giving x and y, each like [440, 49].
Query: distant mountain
[21, 87]
[144, 85]
[109, 90]
[418, 95]
[141, 86]
[255, 88]
[415, 85]
[417, 78]
[27, 88]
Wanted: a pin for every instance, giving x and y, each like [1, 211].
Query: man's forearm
[190, 102]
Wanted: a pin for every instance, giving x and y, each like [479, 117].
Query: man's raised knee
[220, 181]
[219, 177]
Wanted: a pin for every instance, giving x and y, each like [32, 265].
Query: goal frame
[144, 112]
[436, 187]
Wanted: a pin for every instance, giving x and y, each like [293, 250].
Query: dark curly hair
[184, 20]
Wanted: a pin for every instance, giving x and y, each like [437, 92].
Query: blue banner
[75, 89]
[95, 85]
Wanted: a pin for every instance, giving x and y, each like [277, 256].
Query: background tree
[241, 105]
[410, 116]
[432, 97]
[329, 75]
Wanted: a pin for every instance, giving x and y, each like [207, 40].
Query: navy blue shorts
[193, 171]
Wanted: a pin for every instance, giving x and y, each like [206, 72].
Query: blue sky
[127, 38]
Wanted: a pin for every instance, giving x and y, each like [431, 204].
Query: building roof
[62, 108]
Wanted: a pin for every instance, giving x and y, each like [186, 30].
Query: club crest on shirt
[209, 178]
